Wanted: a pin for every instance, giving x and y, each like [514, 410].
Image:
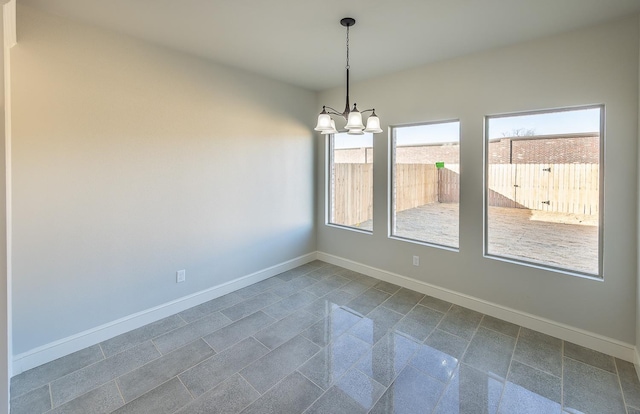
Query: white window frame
[329, 151]
[391, 187]
[601, 204]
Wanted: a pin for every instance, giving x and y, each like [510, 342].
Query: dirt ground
[561, 240]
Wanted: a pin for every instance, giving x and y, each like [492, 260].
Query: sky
[544, 123]
[574, 121]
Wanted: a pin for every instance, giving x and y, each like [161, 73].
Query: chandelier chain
[347, 47]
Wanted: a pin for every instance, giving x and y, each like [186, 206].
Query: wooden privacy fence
[416, 185]
[563, 188]
[353, 193]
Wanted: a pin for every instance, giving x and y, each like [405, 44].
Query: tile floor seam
[50, 397]
[427, 373]
[274, 385]
[496, 331]
[537, 369]
[265, 345]
[215, 350]
[444, 315]
[104, 356]
[87, 392]
[561, 375]
[373, 404]
[124, 402]
[352, 366]
[334, 383]
[589, 365]
[183, 320]
[245, 407]
[156, 348]
[389, 309]
[188, 368]
[176, 328]
[409, 358]
[69, 374]
[506, 377]
[446, 387]
[313, 382]
[447, 332]
[282, 379]
[114, 379]
[469, 342]
[306, 410]
[244, 378]
[624, 401]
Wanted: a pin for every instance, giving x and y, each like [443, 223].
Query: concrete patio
[566, 241]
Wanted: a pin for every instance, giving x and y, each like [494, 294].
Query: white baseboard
[578, 336]
[65, 346]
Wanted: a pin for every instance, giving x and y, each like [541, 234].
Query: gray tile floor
[323, 339]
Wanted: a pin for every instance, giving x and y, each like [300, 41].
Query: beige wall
[590, 66]
[132, 162]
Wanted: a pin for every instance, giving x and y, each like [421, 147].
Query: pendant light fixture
[326, 124]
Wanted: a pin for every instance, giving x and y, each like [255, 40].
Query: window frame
[391, 200]
[601, 186]
[329, 151]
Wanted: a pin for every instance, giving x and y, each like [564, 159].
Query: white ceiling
[302, 42]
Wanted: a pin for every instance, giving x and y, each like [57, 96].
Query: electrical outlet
[181, 276]
[416, 260]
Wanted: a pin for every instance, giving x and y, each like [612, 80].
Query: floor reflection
[383, 369]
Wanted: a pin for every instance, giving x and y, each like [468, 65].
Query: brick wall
[428, 154]
[551, 149]
[568, 149]
[353, 156]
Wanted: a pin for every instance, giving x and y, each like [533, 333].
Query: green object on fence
[440, 164]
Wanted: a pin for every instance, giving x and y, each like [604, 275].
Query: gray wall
[638, 235]
[591, 66]
[132, 161]
[7, 38]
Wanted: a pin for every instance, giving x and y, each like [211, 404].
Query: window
[425, 183]
[543, 182]
[351, 181]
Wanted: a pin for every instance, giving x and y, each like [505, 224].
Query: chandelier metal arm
[333, 111]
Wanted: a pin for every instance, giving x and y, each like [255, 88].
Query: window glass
[351, 181]
[426, 183]
[544, 188]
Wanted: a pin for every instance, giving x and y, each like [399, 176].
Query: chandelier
[326, 124]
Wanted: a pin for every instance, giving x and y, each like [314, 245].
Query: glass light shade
[355, 132]
[324, 122]
[354, 121]
[373, 124]
[333, 129]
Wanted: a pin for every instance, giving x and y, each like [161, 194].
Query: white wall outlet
[181, 276]
[416, 260]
